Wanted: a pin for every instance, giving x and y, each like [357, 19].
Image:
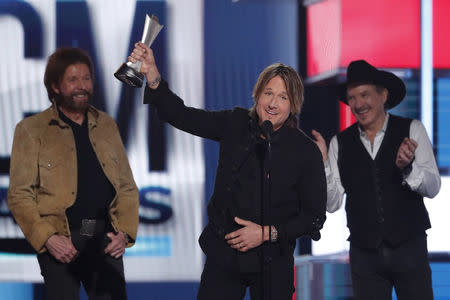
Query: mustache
[82, 93]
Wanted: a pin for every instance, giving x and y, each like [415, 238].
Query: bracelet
[273, 234]
[155, 82]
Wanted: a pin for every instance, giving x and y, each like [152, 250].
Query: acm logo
[74, 28]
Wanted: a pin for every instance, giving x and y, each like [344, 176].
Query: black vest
[379, 206]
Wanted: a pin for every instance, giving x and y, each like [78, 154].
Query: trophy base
[129, 76]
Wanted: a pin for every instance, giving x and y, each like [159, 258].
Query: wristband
[155, 82]
[273, 234]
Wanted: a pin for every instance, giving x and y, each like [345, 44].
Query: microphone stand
[267, 130]
[268, 183]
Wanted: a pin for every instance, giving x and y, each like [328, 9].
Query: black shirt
[248, 183]
[297, 180]
[251, 192]
[94, 191]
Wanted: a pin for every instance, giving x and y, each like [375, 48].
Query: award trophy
[129, 72]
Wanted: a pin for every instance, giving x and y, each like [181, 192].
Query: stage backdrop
[168, 165]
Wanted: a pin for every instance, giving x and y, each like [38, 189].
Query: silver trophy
[129, 72]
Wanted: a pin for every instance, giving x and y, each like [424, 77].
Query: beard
[71, 104]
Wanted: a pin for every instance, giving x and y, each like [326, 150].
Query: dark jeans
[405, 268]
[101, 275]
[220, 284]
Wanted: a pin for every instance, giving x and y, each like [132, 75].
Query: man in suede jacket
[71, 189]
[260, 205]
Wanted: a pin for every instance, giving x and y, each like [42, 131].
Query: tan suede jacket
[43, 175]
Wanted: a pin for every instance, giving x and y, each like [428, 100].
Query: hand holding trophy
[129, 72]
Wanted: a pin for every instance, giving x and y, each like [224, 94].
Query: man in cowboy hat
[385, 164]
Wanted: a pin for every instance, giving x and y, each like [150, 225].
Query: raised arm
[143, 53]
[335, 191]
[170, 107]
[423, 176]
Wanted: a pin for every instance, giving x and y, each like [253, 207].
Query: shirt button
[268, 260]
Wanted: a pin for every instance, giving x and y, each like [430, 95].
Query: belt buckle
[88, 227]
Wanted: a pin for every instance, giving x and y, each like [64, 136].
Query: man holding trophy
[256, 213]
[129, 72]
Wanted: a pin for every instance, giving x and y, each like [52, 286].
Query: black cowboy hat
[361, 72]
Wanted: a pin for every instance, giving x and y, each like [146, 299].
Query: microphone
[315, 235]
[267, 129]
[317, 224]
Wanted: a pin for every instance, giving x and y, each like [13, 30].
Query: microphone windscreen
[267, 129]
[315, 235]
